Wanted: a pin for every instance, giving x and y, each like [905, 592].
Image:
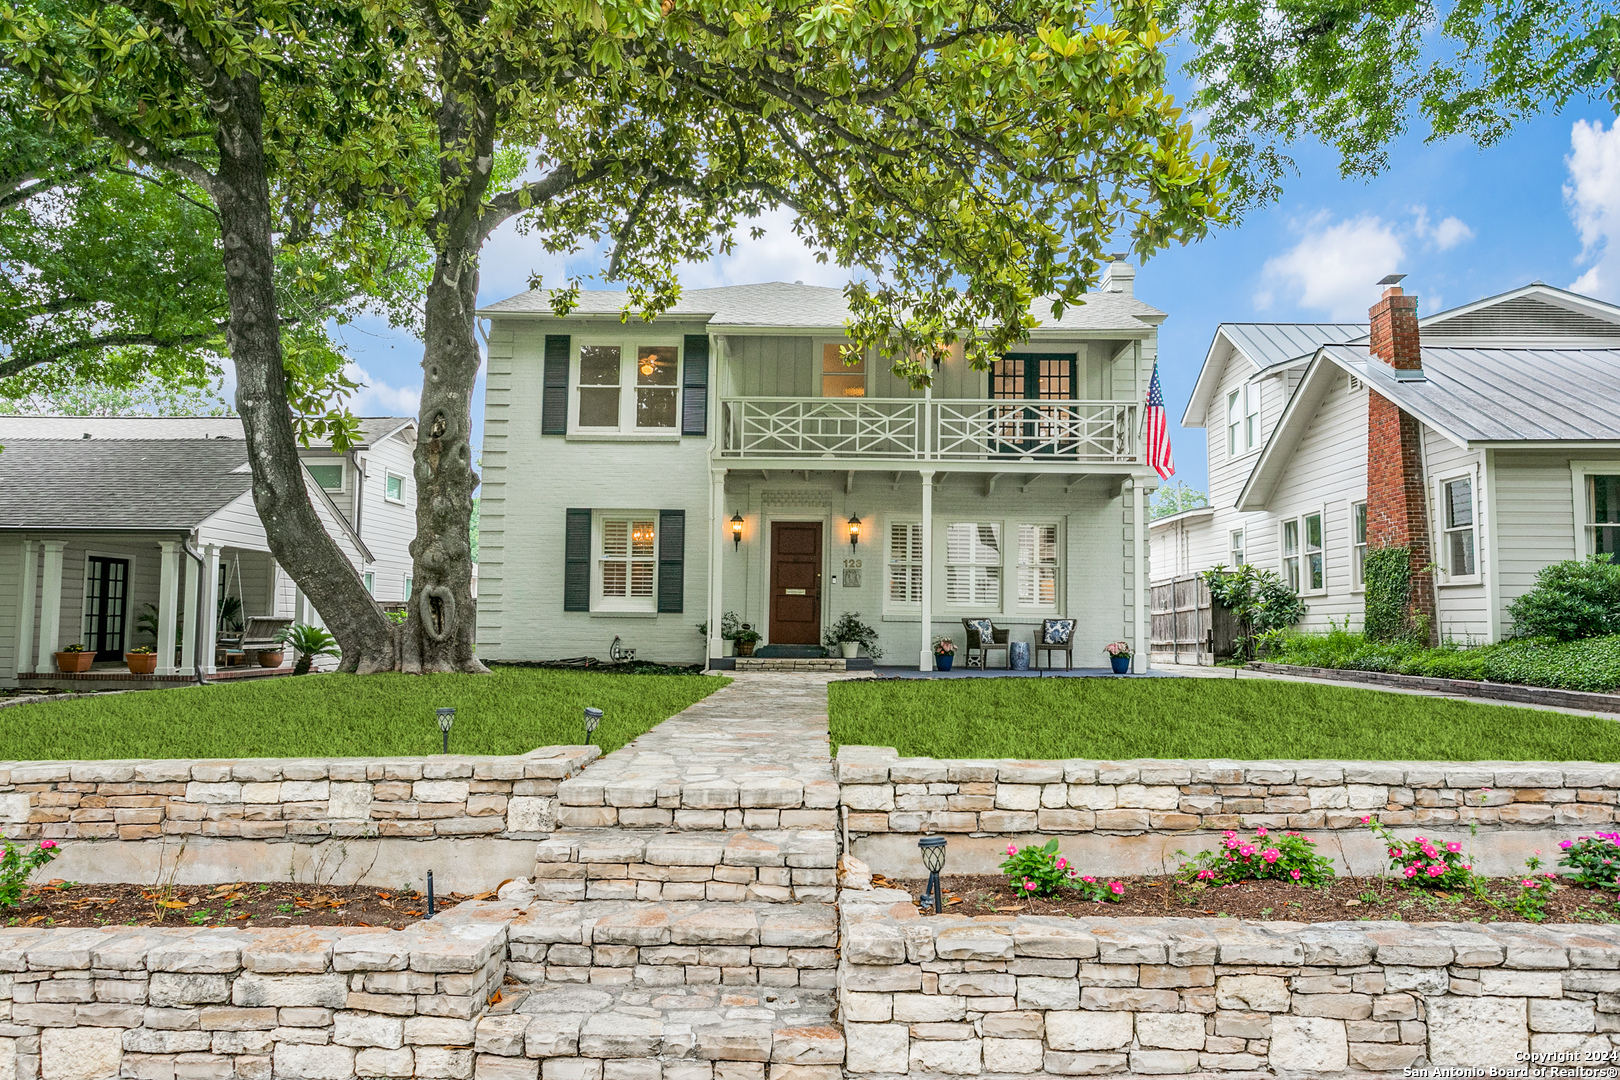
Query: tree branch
[148, 151]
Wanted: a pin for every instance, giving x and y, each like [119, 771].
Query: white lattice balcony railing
[1092, 432]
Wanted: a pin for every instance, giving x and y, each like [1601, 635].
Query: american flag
[1158, 429]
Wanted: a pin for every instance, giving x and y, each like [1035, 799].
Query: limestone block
[530, 814]
[1013, 1055]
[960, 1057]
[1035, 992]
[1144, 797]
[366, 1029]
[1163, 1062]
[875, 943]
[14, 808]
[570, 1069]
[1057, 938]
[1561, 1015]
[876, 1048]
[552, 1035]
[973, 941]
[631, 1069]
[1170, 1031]
[439, 1031]
[85, 1053]
[444, 1063]
[253, 990]
[1063, 1063]
[823, 1045]
[1308, 1044]
[349, 802]
[1477, 1031]
[1252, 993]
[1085, 1030]
[490, 1067]
[1384, 1057]
[1367, 796]
[8, 1059]
[1093, 796]
[374, 1061]
[731, 1040]
[142, 1041]
[172, 988]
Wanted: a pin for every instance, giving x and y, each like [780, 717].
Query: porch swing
[256, 633]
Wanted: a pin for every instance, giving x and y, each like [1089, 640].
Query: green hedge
[1590, 664]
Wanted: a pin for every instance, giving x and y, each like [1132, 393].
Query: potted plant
[272, 658]
[746, 638]
[849, 634]
[944, 653]
[142, 660]
[307, 643]
[73, 659]
[1119, 656]
[730, 627]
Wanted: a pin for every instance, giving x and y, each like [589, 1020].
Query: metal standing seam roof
[373, 429]
[1271, 344]
[784, 304]
[119, 484]
[1522, 394]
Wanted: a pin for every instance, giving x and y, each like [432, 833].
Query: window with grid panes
[1290, 553]
[1358, 544]
[973, 564]
[1457, 498]
[905, 562]
[1315, 565]
[1603, 516]
[840, 379]
[1037, 565]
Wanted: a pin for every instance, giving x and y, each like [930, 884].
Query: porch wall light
[736, 532]
[854, 531]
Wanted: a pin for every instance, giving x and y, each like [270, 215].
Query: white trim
[343, 474]
[1441, 506]
[1243, 545]
[390, 474]
[27, 593]
[890, 605]
[1356, 587]
[1579, 470]
[1493, 579]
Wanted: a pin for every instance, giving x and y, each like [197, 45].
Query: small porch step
[785, 663]
[782, 866]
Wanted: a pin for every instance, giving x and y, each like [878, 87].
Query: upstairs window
[329, 475]
[628, 388]
[1457, 509]
[973, 565]
[656, 386]
[1235, 549]
[840, 379]
[394, 487]
[599, 386]
[1251, 416]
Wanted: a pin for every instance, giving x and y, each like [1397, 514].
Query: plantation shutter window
[627, 562]
[973, 564]
[577, 561]
[671, 560]
[1458, 507]
[905, 562]
[695, 385]
[1037, 566]
[554, 392]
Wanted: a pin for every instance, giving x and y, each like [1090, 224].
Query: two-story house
[640, 478]
[1497, 416]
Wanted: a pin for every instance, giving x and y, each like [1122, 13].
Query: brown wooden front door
[796, 582]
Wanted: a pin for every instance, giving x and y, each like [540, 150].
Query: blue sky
[1461, 222]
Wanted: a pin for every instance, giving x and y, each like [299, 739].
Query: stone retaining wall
[1000, 996]
[1131, 816]
[127, 820]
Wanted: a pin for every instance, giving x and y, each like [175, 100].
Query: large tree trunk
[297, 538]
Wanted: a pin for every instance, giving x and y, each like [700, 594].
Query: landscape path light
[592, 718]
[933, 857]
[446, 718]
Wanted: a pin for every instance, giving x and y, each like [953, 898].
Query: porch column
[926, 661]
[168, 602]
[1139, 574]
[189, 580]
[26, 596]
[50, 600]
[300, 606]
[210, 612]
[717, 552]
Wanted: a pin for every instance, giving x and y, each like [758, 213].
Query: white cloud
[1593, 197]
[1448, 234]
[378, 398]
[1334, 267]
[778, 255]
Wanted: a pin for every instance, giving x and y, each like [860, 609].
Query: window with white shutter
[1037, 566]
[626, 562]
[905, 562]
[973, 564]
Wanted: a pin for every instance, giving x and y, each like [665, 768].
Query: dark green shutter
[577, 561]
[671, 560]
[695, 387]
[554, 397]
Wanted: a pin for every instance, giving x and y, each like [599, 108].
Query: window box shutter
[695, 387]
[671, 560]
[577, 561]
[554, 395]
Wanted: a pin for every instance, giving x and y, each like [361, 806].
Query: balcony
[849, 431]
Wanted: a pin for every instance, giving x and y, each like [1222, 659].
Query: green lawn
[1199, 718]
[511, 711]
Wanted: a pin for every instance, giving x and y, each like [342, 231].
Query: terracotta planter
[271, 659]
[141, 663]
[73, 662]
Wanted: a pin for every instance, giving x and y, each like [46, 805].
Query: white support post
[27, 596]
[50, 600]
[301, 605]
[168, 602]
[715, 644]
[209, 634]
[1139, 573]
[926, 661]
[188, 612]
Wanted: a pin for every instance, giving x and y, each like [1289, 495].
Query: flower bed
[267, 904]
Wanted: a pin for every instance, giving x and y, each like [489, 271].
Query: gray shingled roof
[780, 303]
[118, 484]
[372, 428]
[1506, 394]
[1270, 344]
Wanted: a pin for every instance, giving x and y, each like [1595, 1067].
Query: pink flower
[1246, 850]
[1549, 875]
[1012, 850]
[47, 844]
[1089, 880]
[1229, 842]
[1430, 851]
[1074, 873]
[1417, 840]
[1436, 870]
[1062, 863]
[1411, 871]
[1029, 886]
[1467, 867]
[1261, 832]
[1454, 847]
[1271, 854]
[1566, 844]
[1204, 875]
[1527, 883]
[1117, 888]
[1294, 874]
[1367, 820]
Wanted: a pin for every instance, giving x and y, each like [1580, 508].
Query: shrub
[1432, 864]
[1535, 889]
[1595, 860]
[17, 864]
[849, 627]
[1571, 600]
[1592, 664]
[1259, 599]
[1388, 614]
[1289, 857]
[308, 642]
[1042, 871]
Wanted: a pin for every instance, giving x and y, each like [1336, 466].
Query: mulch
[244, 903]
[1344, 900]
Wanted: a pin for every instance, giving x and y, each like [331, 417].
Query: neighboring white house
[1496, 442]
[641, 478]
[110, 514]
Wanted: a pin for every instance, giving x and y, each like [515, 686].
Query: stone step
[661, 1033]
[648, 797]
[773, 866]
[615, 944]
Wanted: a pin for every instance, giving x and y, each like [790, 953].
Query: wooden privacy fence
[1186, 628]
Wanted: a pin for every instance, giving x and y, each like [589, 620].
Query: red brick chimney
[1397, 506]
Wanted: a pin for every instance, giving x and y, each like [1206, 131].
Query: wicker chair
[978, 649]
[1055, 636]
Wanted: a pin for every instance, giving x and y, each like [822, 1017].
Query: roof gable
[1535, 312]
[119, 484]
[1264, 346]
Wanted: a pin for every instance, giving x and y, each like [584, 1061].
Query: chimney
[1397, 513]
[1119, 276]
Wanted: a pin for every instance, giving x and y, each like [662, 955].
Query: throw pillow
[1056, 631]
[984, 628]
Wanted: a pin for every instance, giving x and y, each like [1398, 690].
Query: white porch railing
[1090, 432]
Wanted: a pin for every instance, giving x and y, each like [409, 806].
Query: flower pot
[141, 663]
[72, 662]
[944, 660]
[728, 646]
[745, 648]
[271, 659]
[850, 649]
[1120, 664]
